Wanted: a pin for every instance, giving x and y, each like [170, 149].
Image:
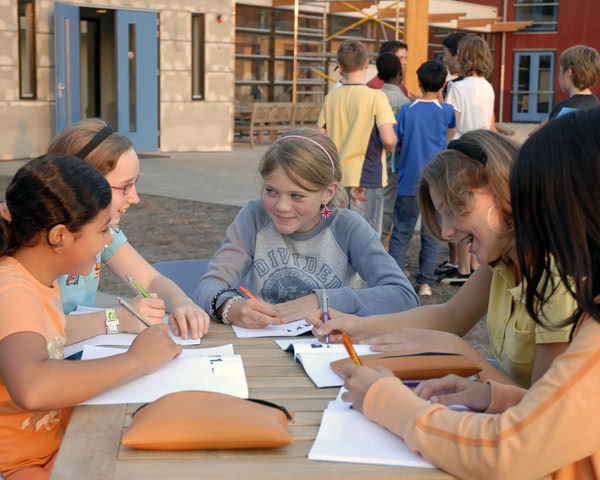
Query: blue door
[137, 77]
[66, 71]
[533, 86]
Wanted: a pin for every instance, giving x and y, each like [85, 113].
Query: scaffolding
[444, 12]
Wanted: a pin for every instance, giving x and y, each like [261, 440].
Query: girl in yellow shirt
[467, 185]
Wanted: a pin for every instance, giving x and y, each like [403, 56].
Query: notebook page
[346, 435]
[192, 370]
[316, 357]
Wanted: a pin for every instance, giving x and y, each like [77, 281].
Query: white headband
[316, 143]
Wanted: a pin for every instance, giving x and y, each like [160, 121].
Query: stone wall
[185, 125]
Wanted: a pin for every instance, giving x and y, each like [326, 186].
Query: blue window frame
[533, 86]
[544, 14]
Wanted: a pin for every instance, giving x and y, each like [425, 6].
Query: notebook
[195, 369]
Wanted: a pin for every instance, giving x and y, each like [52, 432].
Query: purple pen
[325, 312]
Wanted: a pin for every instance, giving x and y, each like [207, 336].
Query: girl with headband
[113, 155]
[296, 242]
[467, 185]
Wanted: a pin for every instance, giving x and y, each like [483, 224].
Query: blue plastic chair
[185, 273]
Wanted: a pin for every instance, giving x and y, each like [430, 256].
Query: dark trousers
[406, 213]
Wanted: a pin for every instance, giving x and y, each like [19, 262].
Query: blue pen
[325, 313]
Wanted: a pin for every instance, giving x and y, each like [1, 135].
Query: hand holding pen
[253, 314]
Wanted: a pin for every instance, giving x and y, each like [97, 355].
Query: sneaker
[445, 268]
[452, 272]
[424, 290]
[456, 279]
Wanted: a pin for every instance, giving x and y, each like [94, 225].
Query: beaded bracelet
[213, 302]
[228, 303]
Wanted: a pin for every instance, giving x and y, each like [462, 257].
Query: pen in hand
[325, 312]
[350, 349]
[135, 284]
[134, 312]
[247, 292]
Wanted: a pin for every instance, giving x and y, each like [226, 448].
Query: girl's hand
[415, 340]
[153, 309]
[453, 389]
[299, 308]
[355, 327]
[188, 319]
[152, 348]
[359, 380]
[253, 314]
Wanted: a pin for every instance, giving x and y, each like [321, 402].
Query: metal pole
[295, 61]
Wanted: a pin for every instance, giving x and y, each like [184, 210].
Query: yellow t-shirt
[349, 114]
[29, 438]
[512, 332]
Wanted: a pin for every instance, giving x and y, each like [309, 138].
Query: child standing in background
[423, 129]
[360, 122]
[579, 71]
[389, 69]
[55, 220]
[297, 241]
[473, 102]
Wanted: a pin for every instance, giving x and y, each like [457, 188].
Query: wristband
[213, 302]
[228, 303]
[112, 322]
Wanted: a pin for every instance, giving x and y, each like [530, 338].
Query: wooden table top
[91, 448]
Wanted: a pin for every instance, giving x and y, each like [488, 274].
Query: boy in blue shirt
[423, 128]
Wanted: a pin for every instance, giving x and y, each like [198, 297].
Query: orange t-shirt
[29, 438]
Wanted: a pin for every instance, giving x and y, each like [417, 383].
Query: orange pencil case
[417, 366]
[207, 421]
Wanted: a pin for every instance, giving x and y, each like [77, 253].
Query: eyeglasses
[127, 188]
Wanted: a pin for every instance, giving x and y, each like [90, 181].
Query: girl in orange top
[54, 221]
[552, 429]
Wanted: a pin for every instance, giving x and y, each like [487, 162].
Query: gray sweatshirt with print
[277, 268]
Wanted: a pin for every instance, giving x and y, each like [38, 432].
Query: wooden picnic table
[91, 448]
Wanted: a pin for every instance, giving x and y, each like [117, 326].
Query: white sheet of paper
[117, 339]
[288, 344]
[346, 435]
[316, 357]
[194, 369]
[291, 329]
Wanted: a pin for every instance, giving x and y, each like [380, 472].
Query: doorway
[107, 67]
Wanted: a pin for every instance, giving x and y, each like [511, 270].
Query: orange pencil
[350, 348]
[250, 295]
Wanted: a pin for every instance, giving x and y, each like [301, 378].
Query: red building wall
[578, 23]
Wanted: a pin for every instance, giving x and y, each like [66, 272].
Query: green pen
[137, 286]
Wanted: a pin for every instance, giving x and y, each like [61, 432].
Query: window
[27, 74]
[198, 56]
[533, 86]
[544, 14]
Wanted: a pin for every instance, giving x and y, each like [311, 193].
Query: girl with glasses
[113, 155]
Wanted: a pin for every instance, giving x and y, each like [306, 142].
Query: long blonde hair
[77, 135]
[309, 158]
